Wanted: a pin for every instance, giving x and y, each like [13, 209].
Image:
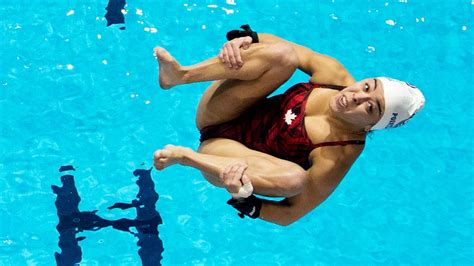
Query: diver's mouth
[342, 101]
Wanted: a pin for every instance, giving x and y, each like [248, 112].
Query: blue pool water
[75, 92]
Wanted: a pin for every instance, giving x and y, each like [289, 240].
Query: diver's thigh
[231, 148]
[226, 100]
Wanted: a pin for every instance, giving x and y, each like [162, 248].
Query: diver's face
[361, 104]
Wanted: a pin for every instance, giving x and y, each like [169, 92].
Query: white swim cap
[402, 102]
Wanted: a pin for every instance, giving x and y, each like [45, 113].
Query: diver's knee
[214, 180]
[293, 182]
[283, 54]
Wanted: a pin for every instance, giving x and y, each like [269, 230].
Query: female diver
[298, 145]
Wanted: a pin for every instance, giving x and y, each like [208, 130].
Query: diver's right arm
[322, 68]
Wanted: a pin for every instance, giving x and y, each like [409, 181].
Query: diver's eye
[366, 87]
[370, 108]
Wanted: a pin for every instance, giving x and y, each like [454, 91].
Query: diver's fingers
[224, 175]
[230, 172]
[246, 190]
[232, 187]
[246, 181]
[238, 173]
[230, 51]
[235, 185]
[221, 55]
[237, 55]
[221, 175]
[231, 177]
[227, 55]
[233, 168]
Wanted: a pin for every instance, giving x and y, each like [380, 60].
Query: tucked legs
[266, 67]
[269, 176]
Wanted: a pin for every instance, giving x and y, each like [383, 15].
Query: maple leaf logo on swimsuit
[289, 117]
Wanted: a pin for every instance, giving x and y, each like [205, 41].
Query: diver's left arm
[330, 165]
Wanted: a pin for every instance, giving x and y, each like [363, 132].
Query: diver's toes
[157, 50]
[157, 154]
[159, 165]
[166, 154]
[161, 54]
[169, 146]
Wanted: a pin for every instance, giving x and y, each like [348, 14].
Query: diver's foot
[168, 156]
[170, 73]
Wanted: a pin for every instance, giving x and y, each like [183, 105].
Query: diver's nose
[360, 97]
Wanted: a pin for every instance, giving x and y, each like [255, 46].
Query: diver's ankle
[186, 75]
[186, 158]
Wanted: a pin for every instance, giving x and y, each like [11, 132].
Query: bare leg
[270, 176]
[258, 59]
[265, 68]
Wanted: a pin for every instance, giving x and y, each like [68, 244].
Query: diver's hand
[236, 182]
[230, 52]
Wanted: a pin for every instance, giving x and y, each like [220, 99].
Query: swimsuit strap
[331, 86]
[339, 143]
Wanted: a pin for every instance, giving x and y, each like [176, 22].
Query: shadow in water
[73, 221]
[114, 13]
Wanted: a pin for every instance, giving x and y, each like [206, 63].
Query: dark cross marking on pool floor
[114, 13]
[73, 221]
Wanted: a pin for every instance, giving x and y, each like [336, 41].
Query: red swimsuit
[275, 126]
